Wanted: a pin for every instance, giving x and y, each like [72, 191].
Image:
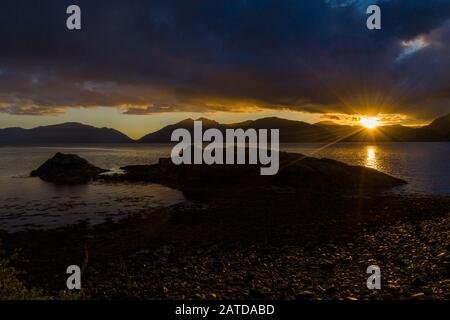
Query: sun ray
[329, 144]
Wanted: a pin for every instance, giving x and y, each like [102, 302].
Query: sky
[139, 65]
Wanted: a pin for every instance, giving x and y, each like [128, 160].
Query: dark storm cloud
[159, 56]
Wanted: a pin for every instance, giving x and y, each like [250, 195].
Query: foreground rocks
[67, 169]
[331, 270]
[279, 248]
[215, 253]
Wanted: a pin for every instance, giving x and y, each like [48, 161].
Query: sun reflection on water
[371, 158]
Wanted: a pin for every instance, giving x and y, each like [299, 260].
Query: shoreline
[233, 247]
[309, 232]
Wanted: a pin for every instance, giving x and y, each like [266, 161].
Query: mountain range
[66, 133]
[290, 131]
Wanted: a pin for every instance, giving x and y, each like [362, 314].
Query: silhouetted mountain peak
[326, 123]
[65, 125]
[64, 133]
[440, 122]
[188, 121]
[441, 127]
[277, 123]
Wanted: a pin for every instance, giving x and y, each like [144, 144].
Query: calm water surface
[29, 203]
[426, 166]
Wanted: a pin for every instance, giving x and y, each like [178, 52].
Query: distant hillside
[438, 130]
[339, 131]
[290, 131]
[439, 127]
[66, 133]
[163, 135]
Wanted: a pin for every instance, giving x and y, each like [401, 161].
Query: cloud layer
[176, 55]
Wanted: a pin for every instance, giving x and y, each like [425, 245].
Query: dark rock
[297, 172]
[305, 295]
[418, 281]
[67, 169]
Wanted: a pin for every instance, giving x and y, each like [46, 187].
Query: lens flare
[369, 123]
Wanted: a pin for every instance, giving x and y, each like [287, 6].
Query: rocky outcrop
[297, 172]
[67, 169]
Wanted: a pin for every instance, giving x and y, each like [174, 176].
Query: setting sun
[369, 123]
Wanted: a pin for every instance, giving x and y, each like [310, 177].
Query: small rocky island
[67, 169]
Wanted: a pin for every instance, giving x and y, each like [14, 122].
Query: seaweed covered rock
[67, 169]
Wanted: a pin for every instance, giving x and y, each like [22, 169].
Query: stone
[67, 169]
